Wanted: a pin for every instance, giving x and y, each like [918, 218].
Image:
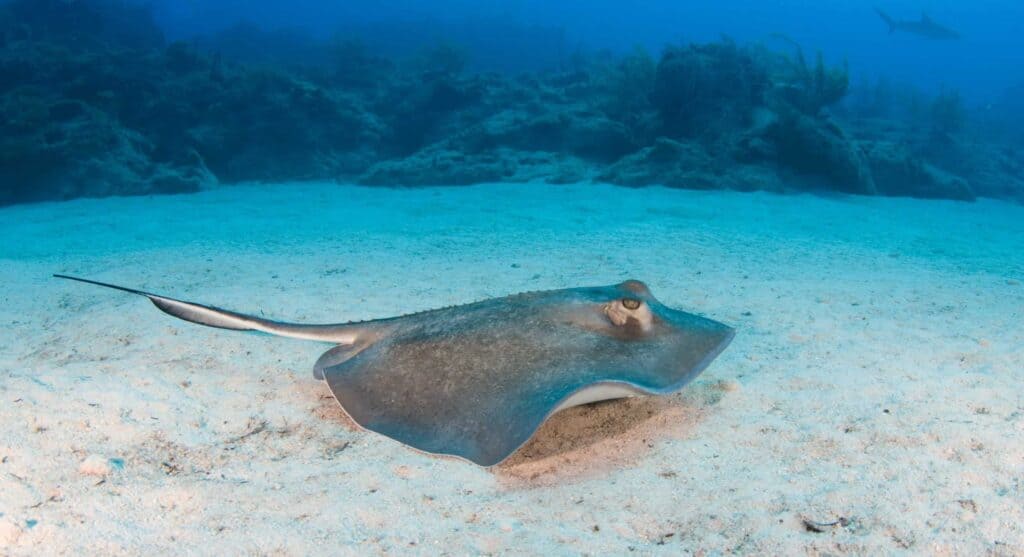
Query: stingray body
[477, 380]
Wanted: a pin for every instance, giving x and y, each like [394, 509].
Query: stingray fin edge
[337, 356]
[621, 388]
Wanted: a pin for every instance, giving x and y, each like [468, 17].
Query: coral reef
[710, 88]
[809, 90]
[667, 162]
[896, 171]
[110, 108]
[820, 151]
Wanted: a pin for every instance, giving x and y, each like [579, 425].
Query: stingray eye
[630, 303]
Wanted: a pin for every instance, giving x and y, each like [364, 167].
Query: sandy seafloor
[874, 386]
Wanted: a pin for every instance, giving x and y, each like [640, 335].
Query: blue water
[989, 59]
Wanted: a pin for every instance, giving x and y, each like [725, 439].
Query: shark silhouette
[924, 27]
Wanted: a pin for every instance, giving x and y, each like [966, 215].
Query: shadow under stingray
[583, 441]
[595, 438]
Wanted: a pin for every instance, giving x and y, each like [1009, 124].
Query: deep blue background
[982, 65]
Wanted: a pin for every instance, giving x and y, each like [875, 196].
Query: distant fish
[924, 27]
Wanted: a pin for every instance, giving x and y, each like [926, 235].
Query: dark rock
[749, 177]
[897, 172]
[440, 167]
[597, 138]
[819, 150]
[578, 133]
[811, 90]
[992, 170]
[687, 165]
[418, 111]
[62, 149]
[998, 171]
[443, 166]
[272, 127]
[667, 162]
[92, 102]
[705, 87]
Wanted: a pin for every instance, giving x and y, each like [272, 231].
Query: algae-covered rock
[897, 172]
[109, 109]
[688, 165]
[712, 86]
[446, 166]
[750, 177]
[809, 90]
[667, 162]
[440, 167]
[273, 127]
[820, 150]
[577, 133]
[998, 171]
[57, 149]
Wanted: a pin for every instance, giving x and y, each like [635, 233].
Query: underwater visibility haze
[423, 198]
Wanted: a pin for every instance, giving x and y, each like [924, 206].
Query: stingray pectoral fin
[337, 356]
[224, 319]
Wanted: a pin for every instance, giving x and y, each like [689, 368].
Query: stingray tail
[224, 319]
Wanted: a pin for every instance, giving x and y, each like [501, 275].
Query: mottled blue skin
[476, 381]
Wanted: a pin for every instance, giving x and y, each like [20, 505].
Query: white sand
[875, 381]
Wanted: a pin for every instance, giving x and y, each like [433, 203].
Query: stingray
[476, 381]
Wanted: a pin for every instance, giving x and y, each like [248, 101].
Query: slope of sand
[871, 403]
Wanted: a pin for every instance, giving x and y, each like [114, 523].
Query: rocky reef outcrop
[897, 171]
[111, 108]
